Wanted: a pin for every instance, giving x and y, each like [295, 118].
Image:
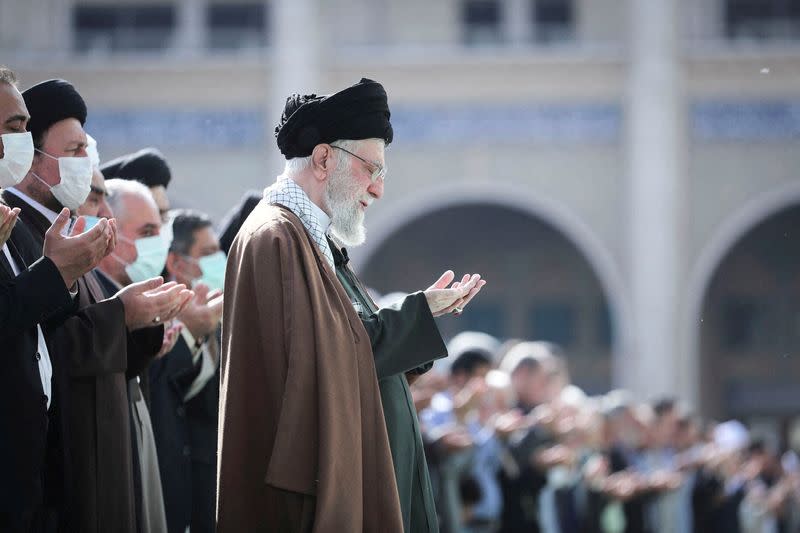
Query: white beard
[347, 218]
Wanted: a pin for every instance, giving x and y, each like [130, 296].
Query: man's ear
[322, 162]
[172, 260]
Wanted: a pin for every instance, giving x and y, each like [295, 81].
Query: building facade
[623, 172]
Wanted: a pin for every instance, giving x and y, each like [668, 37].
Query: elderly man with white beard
[309, 363]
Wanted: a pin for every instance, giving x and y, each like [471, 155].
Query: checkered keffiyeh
[289, 194]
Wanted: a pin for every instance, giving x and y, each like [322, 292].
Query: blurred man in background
[184, 385]
[140, 255]
[147, 166]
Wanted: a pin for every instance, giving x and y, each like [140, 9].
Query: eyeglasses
[379, 171]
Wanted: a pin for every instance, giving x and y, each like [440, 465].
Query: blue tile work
[525, 123]
[178, 129]
[746, 120]
[533, 123]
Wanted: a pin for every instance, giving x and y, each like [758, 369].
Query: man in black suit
[37, 483]
[34, 295]
[184, 385]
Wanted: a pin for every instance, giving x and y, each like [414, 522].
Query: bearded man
[303, 440]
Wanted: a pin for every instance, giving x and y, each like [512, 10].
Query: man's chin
[351, 238]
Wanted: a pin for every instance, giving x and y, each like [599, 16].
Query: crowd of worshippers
[513, 446]
[110, 313]
[110, 309]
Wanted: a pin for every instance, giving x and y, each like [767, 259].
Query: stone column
[190, 36]
[297, 38]
[518, 19]
[656, 215]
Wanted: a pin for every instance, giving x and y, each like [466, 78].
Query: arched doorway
[749, 338]
[541, 285]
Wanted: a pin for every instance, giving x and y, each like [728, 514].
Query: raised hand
[153, 302]
[8, 217]
[443, 299]
[202, 314]
[75, 256]
[171, 334]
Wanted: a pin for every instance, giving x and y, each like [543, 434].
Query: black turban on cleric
[147, 166]
[52, 101]
[360, 111]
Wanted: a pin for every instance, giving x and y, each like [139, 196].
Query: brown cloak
[300, 412]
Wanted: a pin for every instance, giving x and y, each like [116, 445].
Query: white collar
[49, 214]
[289, 194]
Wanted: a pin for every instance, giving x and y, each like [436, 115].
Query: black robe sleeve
[93, 339]
[35, 296]
[142, 346]
[404, 337]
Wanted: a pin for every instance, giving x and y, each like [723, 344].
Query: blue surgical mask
[90, 222]
[151, 257]
[212, 267]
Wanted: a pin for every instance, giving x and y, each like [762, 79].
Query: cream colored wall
[588, 179]
[414, 48]
[728, 176]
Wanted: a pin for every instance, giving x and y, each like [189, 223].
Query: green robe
[404, 338]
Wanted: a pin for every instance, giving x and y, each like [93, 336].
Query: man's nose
[376, 189]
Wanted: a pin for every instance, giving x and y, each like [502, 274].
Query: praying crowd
[110, 311]
[166, 373]
[514, 446]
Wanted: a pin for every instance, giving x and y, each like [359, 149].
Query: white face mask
[151, 257]
[91, 151]
[17, 158]
[76, 180]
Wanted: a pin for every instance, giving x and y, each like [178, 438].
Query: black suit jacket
[81, 347]
[28, 433]
[186, 439]
[170, 378]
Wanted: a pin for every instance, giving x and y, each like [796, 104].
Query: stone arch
[730, 232]
[391, 218]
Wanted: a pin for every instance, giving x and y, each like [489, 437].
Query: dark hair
[7, 76]
[664, 406]
[757, 447]
[469, 360]
[529, 363]
[184, 223]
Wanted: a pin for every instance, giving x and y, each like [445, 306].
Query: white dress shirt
[43, 356]
[46, 212]
[208, 365]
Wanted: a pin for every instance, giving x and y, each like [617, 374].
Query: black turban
[146, 166]
[234, 219]
[359, 112]
[49, 102]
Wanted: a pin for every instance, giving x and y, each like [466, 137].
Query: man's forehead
[11, 102]
[139, 210]
[205, 236]
[67, 131]
[373, 150]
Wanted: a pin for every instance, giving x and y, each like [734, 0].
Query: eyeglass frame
[380, 170]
